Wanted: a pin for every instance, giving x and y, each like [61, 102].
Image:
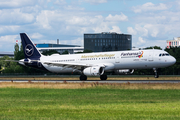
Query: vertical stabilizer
[30, 50]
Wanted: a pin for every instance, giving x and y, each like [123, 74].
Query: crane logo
[29, 50]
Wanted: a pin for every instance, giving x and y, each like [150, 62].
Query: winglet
[30, 50]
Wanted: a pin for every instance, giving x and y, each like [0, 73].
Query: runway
[92, 81]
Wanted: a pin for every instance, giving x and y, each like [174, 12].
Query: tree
[174, 69]
[65, 52]
[18, 55]
[87, 51]
[155, 47]
[6, 65]
[16, 48]
[49, 52]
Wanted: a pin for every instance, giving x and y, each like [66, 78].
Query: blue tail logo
[30, 51]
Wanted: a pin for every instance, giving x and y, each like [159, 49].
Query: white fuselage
[141, 59]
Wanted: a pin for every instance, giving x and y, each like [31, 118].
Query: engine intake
[93, 71]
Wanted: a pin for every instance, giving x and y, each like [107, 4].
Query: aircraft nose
[172, 60]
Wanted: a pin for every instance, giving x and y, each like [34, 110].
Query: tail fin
[30, 51]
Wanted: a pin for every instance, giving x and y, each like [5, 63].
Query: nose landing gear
[156, 75]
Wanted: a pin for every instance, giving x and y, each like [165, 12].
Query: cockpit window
[164, 54]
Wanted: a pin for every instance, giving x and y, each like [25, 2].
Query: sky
[150, 22]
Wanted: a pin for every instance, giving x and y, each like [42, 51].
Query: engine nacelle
[93, 71]
[124, 71]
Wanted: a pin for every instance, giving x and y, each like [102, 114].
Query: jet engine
[124, 71]
[93, 71]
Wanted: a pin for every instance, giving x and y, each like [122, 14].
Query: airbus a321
[95, 64]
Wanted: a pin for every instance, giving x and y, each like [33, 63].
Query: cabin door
[117, 58]
[151, 53]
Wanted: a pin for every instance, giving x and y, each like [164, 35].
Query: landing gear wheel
[156, 75]
[103, 77]
[83, 77]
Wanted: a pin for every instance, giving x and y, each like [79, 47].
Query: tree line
[9, 67]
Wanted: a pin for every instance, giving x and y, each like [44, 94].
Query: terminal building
[60, 48]
[173, 43]
[107, 41]
[10, 54]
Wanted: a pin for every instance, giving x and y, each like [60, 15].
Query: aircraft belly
[126, 64]
[58, 69]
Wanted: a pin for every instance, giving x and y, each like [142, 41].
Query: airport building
[107, 41]
[173, 43]
[60, 48]
[10, 54]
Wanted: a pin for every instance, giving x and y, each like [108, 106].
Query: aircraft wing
[12, 60]
[69, 65]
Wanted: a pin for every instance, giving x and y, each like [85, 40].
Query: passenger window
[159, 55]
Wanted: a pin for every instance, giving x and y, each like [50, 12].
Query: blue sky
[149, 22]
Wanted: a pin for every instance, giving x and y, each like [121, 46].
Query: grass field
[98, 102]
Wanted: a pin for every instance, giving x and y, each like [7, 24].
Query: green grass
[92, 103]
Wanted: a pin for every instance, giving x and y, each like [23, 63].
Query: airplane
[95, 64]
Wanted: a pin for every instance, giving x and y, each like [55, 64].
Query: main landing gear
[156, 75]
[84, 77]
[103, 77]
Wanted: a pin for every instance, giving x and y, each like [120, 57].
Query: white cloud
[74, 8]
[9, 29]
[95, 1]
[77, 41]
[141, 30]
[150, 7]
[140, 39]
[60, 2]
[131, 31]
[15, 16]
[45, 41]
[43, 19]
[116, 29]
[96, 19]
[8, 38]
[36, 36]
[116, 18]
[7, 42]
[102, 27]
[154, 18]
[76, 23]
[152, 29]
[16, 3]
[77, 20]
